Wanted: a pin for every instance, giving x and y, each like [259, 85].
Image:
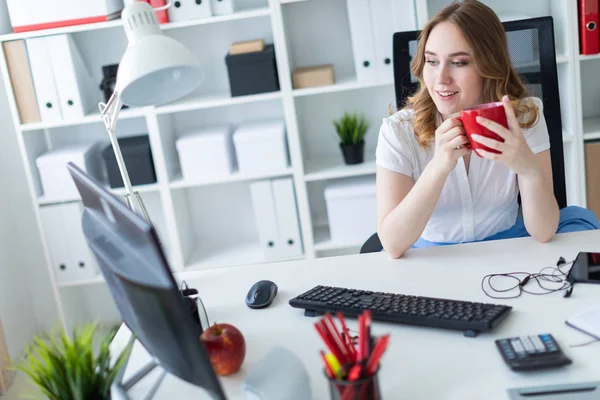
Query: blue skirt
[572, 219]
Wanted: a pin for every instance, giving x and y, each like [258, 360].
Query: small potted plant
[80, 367]
[351, 129]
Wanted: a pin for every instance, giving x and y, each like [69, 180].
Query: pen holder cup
[361, 389]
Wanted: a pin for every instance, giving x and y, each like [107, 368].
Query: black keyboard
[416, 310]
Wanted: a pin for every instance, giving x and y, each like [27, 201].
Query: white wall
[27, 305]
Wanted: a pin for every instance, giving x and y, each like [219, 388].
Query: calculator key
[516, 344]
[528, 345]
[546, 338]
[537, 343]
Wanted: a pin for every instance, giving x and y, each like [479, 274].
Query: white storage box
[52, 166]
[351, 210]
[206, 154]
[261, 147]
[33, 15]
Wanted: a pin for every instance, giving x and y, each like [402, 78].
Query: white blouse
[471, 207]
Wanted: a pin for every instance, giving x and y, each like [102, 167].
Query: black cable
[585, 343]
[555, 275]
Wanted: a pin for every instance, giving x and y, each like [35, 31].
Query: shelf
[179, 182]
[43, 200]
[340, 86]
[243, 253]
[334, 167]
[323, 242]
[186, 104]
[290, 1]
[592, 136]
[591, 126]
[246, 14]
[213, 101]
[127, 113]
[67, 29]
[583, 57]
[562, 58]
[92, 281]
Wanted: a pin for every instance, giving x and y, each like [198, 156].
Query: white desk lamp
[154, 70]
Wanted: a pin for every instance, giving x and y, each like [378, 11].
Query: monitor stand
[119, 388]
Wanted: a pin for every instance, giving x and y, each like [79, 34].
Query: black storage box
[252, 73]
[138, 160]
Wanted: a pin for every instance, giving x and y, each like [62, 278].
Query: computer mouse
[261, 294]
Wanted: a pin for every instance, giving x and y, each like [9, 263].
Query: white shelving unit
[210, 224]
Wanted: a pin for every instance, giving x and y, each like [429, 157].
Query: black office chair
[531, 48]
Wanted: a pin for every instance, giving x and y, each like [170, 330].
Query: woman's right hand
[450, 141]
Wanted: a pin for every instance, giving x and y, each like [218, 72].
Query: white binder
[361, 33]
[287, 217]
[74, 85]
[388, 17]
[188, 10]
[266, 218]
[69, 252]
[222, 7]
[43, 79]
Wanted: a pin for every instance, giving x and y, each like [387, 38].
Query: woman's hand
[515, 152]
[450, 141]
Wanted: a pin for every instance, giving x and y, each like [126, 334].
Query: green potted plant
[77, 368]
[351, 129]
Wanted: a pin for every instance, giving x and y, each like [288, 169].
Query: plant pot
[353, 153]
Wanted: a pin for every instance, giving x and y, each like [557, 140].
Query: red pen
[328, 341]
[378, 350]
[340, 342]
[367, 322]
[337, 339]
[361, 335]
[346, 331]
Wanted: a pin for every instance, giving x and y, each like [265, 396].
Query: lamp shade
[155, 68]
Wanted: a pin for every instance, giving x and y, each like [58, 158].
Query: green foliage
[79, 368]
[351, 128]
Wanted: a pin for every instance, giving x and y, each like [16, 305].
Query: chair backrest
[532, 52]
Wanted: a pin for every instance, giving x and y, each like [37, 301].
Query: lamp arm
[110, 112]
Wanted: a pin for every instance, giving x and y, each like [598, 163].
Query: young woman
[431, 188]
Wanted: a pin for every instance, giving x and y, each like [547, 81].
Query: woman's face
[449, 73]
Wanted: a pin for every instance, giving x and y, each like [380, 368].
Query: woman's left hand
[514, 151]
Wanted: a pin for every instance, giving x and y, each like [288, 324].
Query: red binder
[589, 38]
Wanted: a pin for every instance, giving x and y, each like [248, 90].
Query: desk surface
[420, 363]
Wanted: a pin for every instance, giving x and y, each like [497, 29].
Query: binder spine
[589, 39]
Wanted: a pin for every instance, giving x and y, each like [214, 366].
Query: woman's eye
[431, 62]
[459, 63]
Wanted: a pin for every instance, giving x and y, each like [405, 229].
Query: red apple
[226, 348]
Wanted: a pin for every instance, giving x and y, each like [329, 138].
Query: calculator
[528, 353]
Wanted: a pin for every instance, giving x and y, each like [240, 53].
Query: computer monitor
[138, 276]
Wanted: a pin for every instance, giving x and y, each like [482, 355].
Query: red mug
[492, 111]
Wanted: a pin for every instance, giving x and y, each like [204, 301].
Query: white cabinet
[210, 222]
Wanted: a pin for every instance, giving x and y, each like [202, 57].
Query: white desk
[420, 363]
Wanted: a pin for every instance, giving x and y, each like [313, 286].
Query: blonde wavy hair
[486, 38]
